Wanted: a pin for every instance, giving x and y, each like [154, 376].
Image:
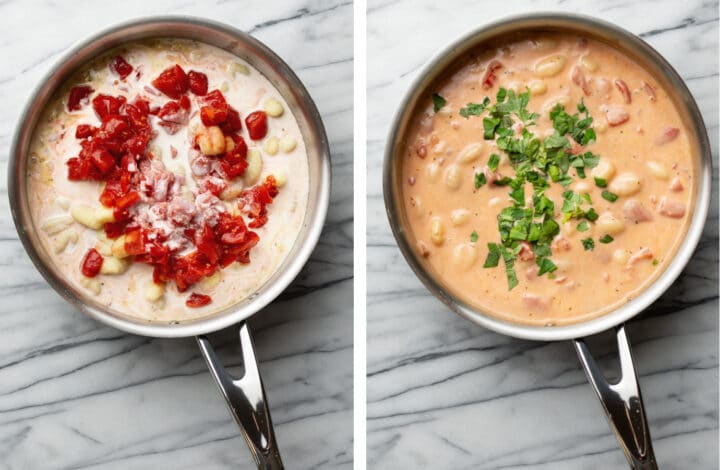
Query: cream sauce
[647, 151]
[246, 90]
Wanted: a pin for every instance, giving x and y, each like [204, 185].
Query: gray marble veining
[76, 394]
[446, 394]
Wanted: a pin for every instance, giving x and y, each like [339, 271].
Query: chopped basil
[606, 239]
[556, 141]
[474, 109]
[494, 162]
[438, 102]
[546, 266]
[578, 129]
[600, 182]
[539, 161]
[509, 260]
[474, 236]
[480, 180]
[493, 257]
[608, 196]
[489, 125]
[504, 181]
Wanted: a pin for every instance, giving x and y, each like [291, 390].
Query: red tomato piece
[78, 97]
[105, 105]
[198, 300]
[198, 82]
[234, 162]
[83, 131]
[128, 200]
[215, 109]
[232, 123]
[172, 81]
[102, 159]
[120, 66]
[134, 242]
[114, 229]
[92, 263]
[254, 200]
[256, 123]
[184, 102]
[77, 169]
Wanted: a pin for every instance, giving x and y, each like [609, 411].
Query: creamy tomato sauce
[182, 184]
[646, 160]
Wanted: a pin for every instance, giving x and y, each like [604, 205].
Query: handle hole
[227, 348]
[604, 349]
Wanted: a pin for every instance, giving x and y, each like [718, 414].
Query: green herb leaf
[474, 109]
[608, 196]
[591, 215]
[590, 159]
[546, 266]
[504, 181]
[606, 239]
[438, 102]
[501, 94]
[489, 125]
[493, 257]
[556, 141]
[588, 244]
[494, 162]
[474, 236]
[509, 259]
[583, 226]
[480, 180]
[600, 182]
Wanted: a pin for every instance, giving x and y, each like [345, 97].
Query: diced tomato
[134, 242]
[253, 201]
[102, 160]
[78, 97]
[212, 116]
[215, 109]
[234, 162]
[78, 169]
[128, 200]
[120, 66]
[83, 131]
[114, 229]
[174, 115]
[256, 123]
[198, 300]
[184, 102]
[232, 123]
[172, 81]
[136, 145]
[106, 104]
[92, 263]
[115, 127]
[198, 82]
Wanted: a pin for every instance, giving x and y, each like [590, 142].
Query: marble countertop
[76, 394]
[445, 393]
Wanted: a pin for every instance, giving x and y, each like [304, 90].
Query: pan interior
[267, 63]
[627, 43]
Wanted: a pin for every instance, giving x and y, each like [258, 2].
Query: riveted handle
[622, 402]
[245, 397]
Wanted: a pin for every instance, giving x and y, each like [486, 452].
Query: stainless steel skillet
[621, 400]
[245, 396]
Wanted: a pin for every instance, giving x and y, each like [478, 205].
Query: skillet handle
[622, 403]
[245, 398]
